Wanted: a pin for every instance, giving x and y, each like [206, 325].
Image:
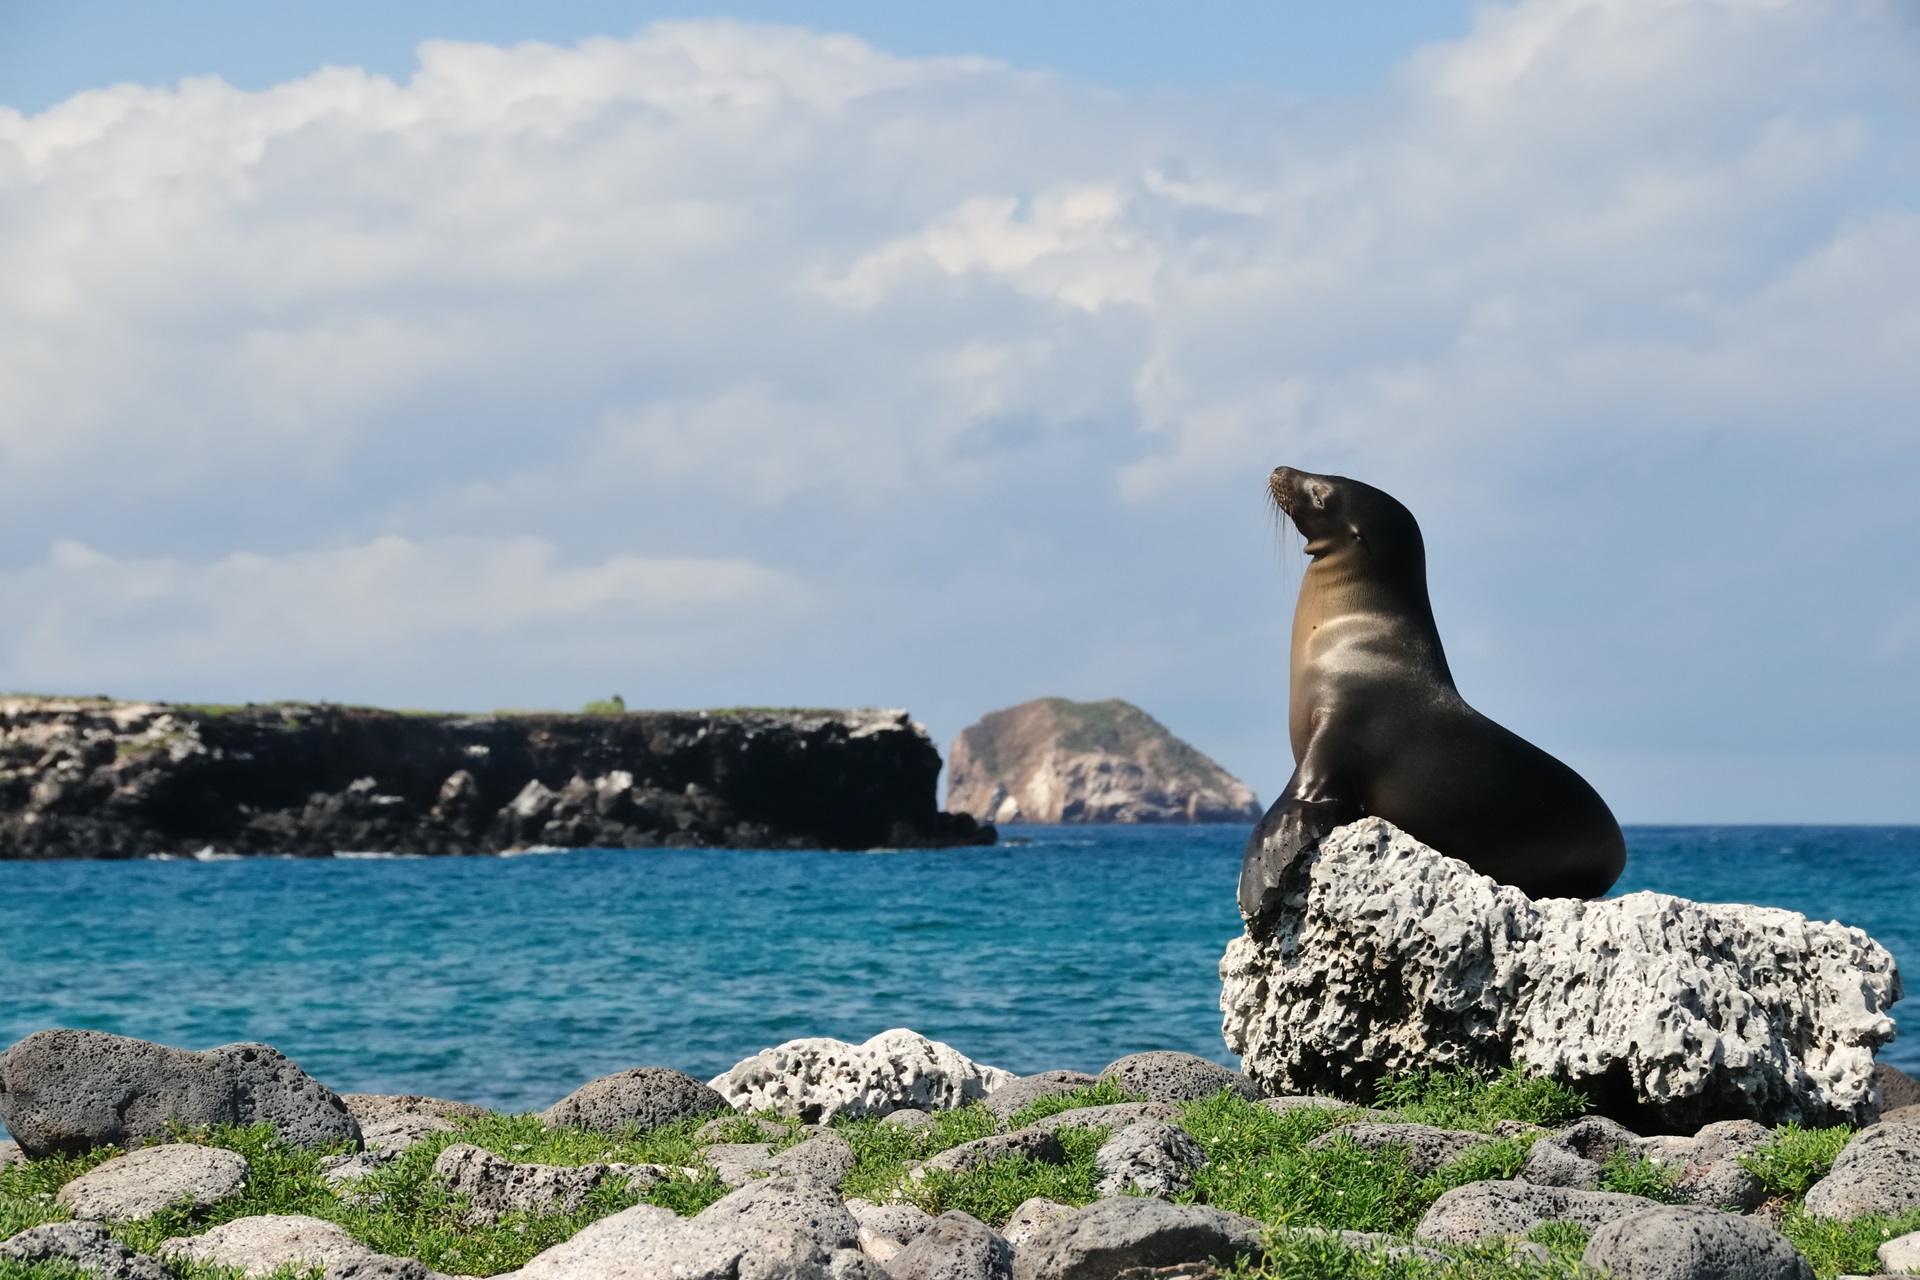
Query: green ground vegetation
[1263, 1163]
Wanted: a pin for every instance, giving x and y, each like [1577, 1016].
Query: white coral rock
[1390, 956]
[818, 1078]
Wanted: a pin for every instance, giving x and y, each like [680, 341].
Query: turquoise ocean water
[509, 981]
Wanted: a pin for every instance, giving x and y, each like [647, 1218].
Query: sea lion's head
[1338, 515]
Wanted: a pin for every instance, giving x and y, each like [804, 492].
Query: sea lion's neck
[1342, 594]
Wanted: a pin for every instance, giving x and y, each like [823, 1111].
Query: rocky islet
[98, 778]
[1055, 760]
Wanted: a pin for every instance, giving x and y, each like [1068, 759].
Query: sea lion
[1377, 726]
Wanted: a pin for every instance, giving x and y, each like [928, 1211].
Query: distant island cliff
[97, 778]
[1052, 760]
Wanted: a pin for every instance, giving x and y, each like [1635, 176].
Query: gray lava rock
[10, 1153]
[1428, 1148]
[1573, 1156]
[1707, 1165]
[495, 1186]
[825, 1156]
[851, 1264]
[794, 1203]
[87, 1245]
[261, 1245]
[955, 1246]
[1900, 1254]
[649, 1243]
[1549, 1165]
[908, 1118]
[886, 1229]
[612, 1248]
[1692, 1242]
[1114, 1117]
[1709, 1162]
[738, 1163]
[142, 1183]
[645, 1096]
[1164, 1075]
[1594, 1138]
[72, 1091]
[372, 1108]
[1389, 956]
[1027, 1090]
[396, 1133]
[1896, 1088]
[1481, 1210]
[1110, 1236]
[1033, 1215]
[1034, 1143]
[1877, 1172]
[1149, 1158]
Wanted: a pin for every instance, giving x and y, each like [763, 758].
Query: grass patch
[1102, 1093]
[883, 1153]
[1262, 1163]
[1844, 1248]
[1306, 1256]
[992, 1191]
[401, 1208]
[27, 1190]
[1635, 1175]
[1463, 1099]
[55, 1269]
[1566, 1241]
[1796, 1158]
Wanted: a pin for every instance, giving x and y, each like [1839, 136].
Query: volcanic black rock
[94, 778]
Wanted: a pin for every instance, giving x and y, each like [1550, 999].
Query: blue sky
[51, 49]
[492, 355]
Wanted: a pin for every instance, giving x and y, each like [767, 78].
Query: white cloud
[986, 359]
[81, 615]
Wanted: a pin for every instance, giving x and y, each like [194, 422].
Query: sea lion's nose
[1280, 485]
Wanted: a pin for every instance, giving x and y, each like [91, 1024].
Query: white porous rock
[817, 1079]
[1389, 956]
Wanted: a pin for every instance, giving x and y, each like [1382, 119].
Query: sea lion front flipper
[1307, 810]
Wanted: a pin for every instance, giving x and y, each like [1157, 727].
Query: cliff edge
[97, 778]
[1052, 760]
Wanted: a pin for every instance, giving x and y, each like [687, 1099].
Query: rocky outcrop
[92, 778]
[73, 1091]
[1052, 760]
[1390, 957]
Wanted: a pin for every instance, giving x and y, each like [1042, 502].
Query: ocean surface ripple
[510, 981]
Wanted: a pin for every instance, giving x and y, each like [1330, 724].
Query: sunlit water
[508, 981]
